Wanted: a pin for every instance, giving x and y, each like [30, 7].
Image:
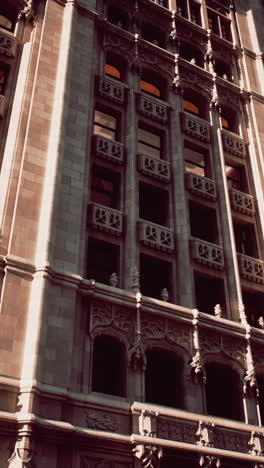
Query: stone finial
[164, 295]
[218, 311]
[113, 280]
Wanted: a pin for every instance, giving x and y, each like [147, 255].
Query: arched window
[224, 70]
[192, 54]
[110, 70]
[195, 104]
[163, 378]
[6, 23]
[152, 34]
[115, 66]
[229, 119]
[118, 17]
[109, 369]
[223, 392]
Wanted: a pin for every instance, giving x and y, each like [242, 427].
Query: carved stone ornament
[113, 42]
[100, 421]
[134, 279]
[204, 434]
[208, 461]
[137, 358]
[256, 444]
[179, 431]
[198, 371]
[22, 455]
[148, 423]
[104, 314]
[195, 80]
[27, 12]
[149, 455]
[212, 343]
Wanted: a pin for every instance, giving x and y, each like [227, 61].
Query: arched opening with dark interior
[118, 17]
[109, 366]
[152, 34]
[195, 104]
[8, 16]
[191, 54]
[153, 84]
[115, 66]
[223, 392]
[229, 119]
[163, 378]
[224, 70]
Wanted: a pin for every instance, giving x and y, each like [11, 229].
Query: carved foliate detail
[179, 431]
[104, 314]
[208, 461]
[149, 455]
[212, 343]
[101, 421]
[204, 434]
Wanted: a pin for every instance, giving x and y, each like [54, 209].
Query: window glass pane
[150, 88]
[105, 125]
[194, 161]
[5, 22]
[149, 143]
[190, 107]
[112, 71]
[233, 175]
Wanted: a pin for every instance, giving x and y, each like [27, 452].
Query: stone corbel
[256, 444]
[208, 461]
[196, 362]
[204, 434]
[23, 453]
[148, 454]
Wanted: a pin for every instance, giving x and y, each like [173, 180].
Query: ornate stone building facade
[132, 219]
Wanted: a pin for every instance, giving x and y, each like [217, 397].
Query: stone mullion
[179, 207]
[225, 212]
[131, 256]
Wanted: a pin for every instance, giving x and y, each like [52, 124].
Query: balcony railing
[152, 108]
[251, 268]
[201, 186]
[110, 89]
[156, 236]
[207, 253]
[8, 44]
[154, 167]
[105, 219]
[242, 202]
[233, 144]
[2, 106]
[108, 149]
[196, 127]
[175, 428]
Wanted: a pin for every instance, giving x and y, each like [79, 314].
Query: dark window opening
[191, 54]
[105, 187]
[105, 125]
[196, 160]
[118, 17]
[8, 17]
[163, 3]
[203, 222]
[163, 379]
[112, 71]
[229, 120]
[254, 307]
[109, 369]
[3, 79]
[152, 34]
[260, 381]
[223, 392]
[245, 237]
[153, 204]
[149, 143]
[195, 13]
[223, 70]
[193, 104]
[213, 22]
[236, 177]
[182, 8]
[153, 84]
[155, 275]
[208, 293]
[102, 260]
[114, 66]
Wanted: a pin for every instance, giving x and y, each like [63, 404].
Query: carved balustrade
[105, 219]
[153, 108]
[2, 106]
[207, 253]
[201, 431]
[242, 202]
[108, 149]
[196, 127]
[153, 167]
[8, 44]
[156, 236]
[251, 268]
[233, 144]
[110, 89]
[201, 186]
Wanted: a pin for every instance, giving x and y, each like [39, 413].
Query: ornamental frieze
[108, 315]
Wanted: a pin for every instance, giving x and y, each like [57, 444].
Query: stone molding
[251, 268]
[233, 144]
[195, 127]
[105, 219]
[156, 236]
[111, 150]
[207, 253]
[242, 202]
[154, 167]
[152, 108]
[201, 186]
